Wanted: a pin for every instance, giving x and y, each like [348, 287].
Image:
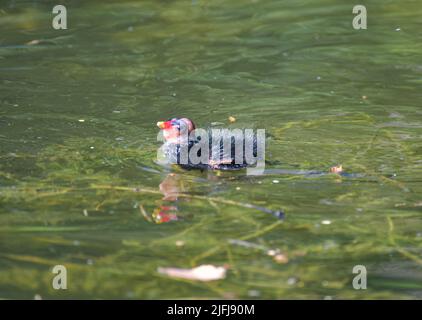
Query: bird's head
[174, 128]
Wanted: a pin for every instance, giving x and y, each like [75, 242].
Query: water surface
[78, 141]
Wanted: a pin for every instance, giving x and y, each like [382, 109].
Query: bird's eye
[175, 123]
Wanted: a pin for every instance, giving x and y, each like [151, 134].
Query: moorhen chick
[180, 138]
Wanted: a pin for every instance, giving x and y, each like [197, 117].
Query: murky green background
[78, 109]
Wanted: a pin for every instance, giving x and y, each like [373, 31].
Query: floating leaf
[202, 273]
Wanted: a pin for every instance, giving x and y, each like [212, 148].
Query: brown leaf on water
[201, 273]
[33, 42]
[281, 258]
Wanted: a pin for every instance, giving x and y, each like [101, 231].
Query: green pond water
[79, 186]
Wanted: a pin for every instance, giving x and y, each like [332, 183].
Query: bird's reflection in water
[171, 187]
[174, 188]
[167, 209]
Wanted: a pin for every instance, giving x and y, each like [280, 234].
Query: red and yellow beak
[164, 125]
[160, 124]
